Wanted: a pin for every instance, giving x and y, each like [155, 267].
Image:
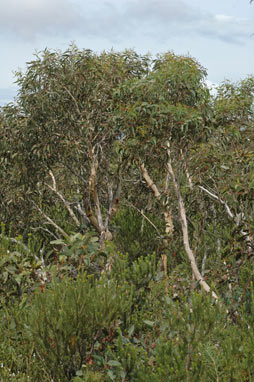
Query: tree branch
[167, 212]
[184, 225]
[147, 219]
[58, 193]
[236, 219]
[93, 190]
[149, 182]
[220, 200]
[59, 229]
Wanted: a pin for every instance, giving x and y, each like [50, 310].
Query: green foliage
[79, 253]
[134, 234]
[71, 153]
[20, 269]
[172, 102]
[66, 321]
[78, 331]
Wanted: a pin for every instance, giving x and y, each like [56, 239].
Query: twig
[147, 219]
[74, 99]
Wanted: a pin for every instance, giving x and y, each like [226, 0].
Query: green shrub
[66, 321]
[20, 269]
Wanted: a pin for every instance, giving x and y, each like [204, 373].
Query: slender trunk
[169, 227]
[184, 225]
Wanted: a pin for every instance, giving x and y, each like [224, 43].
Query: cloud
[177, 18]
[162, 20]
[174, 11]
[26, 19]
[226, 28]
[119, 20]
[223, 18]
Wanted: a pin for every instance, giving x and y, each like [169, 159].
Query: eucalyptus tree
[223, 167]
[63, 135]
[163, 115]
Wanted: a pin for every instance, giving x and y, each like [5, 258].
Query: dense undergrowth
[119, 325]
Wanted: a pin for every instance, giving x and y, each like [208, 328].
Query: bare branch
[220, 200]
[203, 263]
[236, 218]
[113, 201]
[93, 190]
[46, 230]
[146, 218]
[110, 203]
[72, 171]
[81, 212]
[149, 181]
[167, 213]
[186, 170]
[50, 221]
[59, 194]
[91, 217]
[183, 220]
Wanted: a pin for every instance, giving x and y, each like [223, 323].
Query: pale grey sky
[218, 33]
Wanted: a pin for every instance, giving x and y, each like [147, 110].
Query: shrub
[66, 321]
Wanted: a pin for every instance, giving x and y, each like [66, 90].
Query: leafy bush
[20, 269]
[67, 320]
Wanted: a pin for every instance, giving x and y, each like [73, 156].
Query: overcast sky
[218, 33]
